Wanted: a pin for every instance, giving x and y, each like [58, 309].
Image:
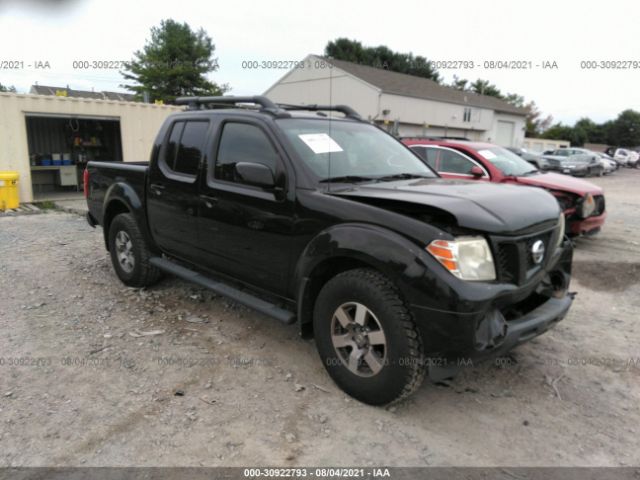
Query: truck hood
[476, 205]
[562, 183]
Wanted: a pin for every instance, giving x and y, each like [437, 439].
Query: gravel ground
[95, 373]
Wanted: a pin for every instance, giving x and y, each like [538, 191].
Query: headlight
[561, 229]
[468, 258]
[588, 206]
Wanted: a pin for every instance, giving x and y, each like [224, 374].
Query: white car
[609, 164]
[624, 156]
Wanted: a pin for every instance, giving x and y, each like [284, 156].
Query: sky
[63, 31]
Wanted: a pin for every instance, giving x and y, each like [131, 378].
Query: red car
[582, 202]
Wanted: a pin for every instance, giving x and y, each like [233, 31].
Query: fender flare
[125, 195]
[368, 245]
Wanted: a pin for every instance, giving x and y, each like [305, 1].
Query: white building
[408, 105]
[48, 139]
[539, 145]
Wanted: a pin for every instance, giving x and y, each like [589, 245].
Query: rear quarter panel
[114, 188]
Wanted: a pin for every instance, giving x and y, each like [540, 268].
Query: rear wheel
[130, 254]
[367, 339]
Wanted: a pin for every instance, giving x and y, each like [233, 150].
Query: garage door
[504, 135]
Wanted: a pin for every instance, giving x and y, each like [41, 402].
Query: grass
[46, 205]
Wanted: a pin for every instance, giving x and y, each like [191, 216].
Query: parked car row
[564, 161]
[582, 202]
[575, 161]
[623, 156]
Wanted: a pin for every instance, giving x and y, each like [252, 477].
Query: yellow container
[9, 197]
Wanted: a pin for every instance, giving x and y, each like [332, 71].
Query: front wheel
[367, 339]
[130, 254]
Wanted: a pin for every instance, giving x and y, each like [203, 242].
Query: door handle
[208, 200]
[156, 188]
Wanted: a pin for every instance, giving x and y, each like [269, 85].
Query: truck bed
[108, 175]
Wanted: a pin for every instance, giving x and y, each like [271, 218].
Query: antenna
[330, 122]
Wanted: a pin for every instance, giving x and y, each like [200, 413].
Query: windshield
[507, 162]
[351, 151]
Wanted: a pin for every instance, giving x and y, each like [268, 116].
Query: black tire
[141, 273]
[403, 364]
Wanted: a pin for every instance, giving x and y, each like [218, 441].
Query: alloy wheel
[124, 251]
[358, 339]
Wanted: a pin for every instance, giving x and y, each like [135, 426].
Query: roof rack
[201, 103]
[345, 109]
[197, 103]
[432, 137]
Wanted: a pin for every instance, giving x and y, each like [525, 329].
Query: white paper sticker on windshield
[488, 154]
[320, 142]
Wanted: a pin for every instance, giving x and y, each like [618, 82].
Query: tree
[381, 57]
[459, 83]
[593, 132]
[483, 87]
[535, 125]
[558, 131]
[625, 130]
[576, 136]
[515, 100]
[7, 89]
[173, 63]
[347, 50]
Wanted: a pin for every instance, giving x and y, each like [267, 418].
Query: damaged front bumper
[494, 318]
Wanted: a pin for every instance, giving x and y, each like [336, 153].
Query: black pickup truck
[313, 215]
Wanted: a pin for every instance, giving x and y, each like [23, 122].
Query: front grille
[508, 262]
[514, 256]
[529, 245]
[599, 199]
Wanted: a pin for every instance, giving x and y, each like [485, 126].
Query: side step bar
[239, 296]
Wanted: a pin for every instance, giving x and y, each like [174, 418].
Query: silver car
[575, 161]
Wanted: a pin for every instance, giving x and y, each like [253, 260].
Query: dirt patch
[79, 386]
[609, 276]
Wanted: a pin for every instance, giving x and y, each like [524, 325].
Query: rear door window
[191, 148]
[185, 147]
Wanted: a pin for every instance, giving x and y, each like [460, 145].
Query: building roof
[419, 87]
[69, 92]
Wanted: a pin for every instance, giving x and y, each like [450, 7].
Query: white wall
[433, 113]
[139, 124]
[541, 144]
[491, 135]
[324, 85]
[411, 130]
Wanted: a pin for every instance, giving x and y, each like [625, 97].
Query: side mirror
[476, 171]
[255, 174]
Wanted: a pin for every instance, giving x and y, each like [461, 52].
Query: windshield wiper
[400, 176]
[348, 179]
[530, 172]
